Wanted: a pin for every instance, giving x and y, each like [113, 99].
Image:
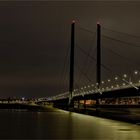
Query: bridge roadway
[124, 92]
[92, 93]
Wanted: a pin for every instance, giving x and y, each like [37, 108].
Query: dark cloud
[34, 37]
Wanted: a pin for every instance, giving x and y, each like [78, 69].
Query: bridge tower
[71, 73]
[98, 63]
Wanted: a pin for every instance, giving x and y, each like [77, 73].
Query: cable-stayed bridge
[102, 66]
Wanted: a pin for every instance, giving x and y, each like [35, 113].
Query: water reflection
[60, 124]
[100, 128]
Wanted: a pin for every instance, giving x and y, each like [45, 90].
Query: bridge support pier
[71, 106]
[84, 105]
[78, 102]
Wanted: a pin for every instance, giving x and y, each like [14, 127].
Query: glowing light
[112, 86]
[131, 83]
[136, 72]
[123, 84]
[98, 22]
[116, 78]
[108, 80]
[103, 82]
[97, 84]
[73, 21]
[124, 75]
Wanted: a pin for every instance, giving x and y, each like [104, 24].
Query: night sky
[35, 37]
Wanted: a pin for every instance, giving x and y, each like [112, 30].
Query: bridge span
[117, 96]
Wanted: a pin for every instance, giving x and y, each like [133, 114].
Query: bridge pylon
[98, 63]
[71, 72]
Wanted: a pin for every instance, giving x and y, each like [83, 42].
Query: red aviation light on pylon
[98, 22]
[73, 21]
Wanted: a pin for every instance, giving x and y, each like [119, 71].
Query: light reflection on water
[64, 125]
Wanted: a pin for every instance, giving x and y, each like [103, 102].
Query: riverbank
[113, 115]
[129, 114]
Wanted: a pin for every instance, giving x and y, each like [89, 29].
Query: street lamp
[123, 84]
[125, 75]
[112, 86]
[117, 85]
[135, 72]
[102, 82]
[116, 78]
[108, 80]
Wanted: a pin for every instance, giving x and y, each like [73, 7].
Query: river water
[59, 124]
